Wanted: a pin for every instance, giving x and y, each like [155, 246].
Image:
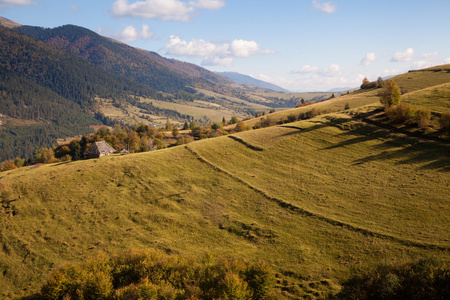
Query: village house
[99, 149]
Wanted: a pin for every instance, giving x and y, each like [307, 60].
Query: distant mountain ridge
[149, 68]
[248, 80]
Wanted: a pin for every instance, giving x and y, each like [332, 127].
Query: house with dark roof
[99, 149]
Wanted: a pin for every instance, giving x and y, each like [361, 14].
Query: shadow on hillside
[402, 148]
[303, 130]
[431, 154]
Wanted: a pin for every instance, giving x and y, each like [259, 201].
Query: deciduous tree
[391, 94]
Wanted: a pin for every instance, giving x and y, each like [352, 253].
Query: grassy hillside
[314, 199]
[435, 98]
[427, 88]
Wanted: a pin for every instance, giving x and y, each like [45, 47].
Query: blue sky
[301, 45]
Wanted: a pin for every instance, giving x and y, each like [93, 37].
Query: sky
[300, 45]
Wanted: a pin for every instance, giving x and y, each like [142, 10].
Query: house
[99, 149]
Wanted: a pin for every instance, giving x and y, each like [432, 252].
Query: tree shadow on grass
[402, 148]
[299, 130]
[432, 155]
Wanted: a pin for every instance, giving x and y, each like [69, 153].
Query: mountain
[157, 72]
[248, 80]
[341, 89]
[8, 23]
[50, 93]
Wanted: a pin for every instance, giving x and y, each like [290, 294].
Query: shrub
[366, 84]
[240, 126]
[7, 165]
[424, 279]
[291, 118]
[401, 113]
[444, 121]
[155, 275]
[422, 118]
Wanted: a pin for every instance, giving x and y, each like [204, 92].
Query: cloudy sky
[301, 45]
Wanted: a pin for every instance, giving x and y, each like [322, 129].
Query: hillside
[157, 72]
[52, 88]
[427, 88]
[312, 198]
[248, 80]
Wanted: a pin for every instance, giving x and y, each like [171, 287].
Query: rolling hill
[314, 198]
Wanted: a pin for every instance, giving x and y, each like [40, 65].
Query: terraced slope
[314, 199]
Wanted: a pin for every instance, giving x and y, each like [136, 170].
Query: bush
[7, 165]
[422, 118]
[155, 275]
[401, 113]
[424, 279]
[240, 126]
[444, 121]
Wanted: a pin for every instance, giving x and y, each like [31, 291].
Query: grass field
[313, 198]
[435, 98]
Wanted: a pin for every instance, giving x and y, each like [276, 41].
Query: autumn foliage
[155, 275]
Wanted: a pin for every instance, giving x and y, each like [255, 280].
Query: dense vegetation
[54, 89]
[413, 280]
[67, 75]
[155, 275]
[141, 66]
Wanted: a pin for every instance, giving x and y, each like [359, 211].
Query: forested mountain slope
[159, 73]
[54, 89]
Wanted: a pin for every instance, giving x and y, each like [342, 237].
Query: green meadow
[315, 199]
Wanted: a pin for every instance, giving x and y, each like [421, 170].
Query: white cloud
[74, 7]
[368, 59]
[214, 54]
[208, 4]
[328, 7]
[218, 61]
[243, 48]
[391, 72]
[332, 70]
[447, 60]
[17, 2]
[406, 55]
[130, 34]
[428, 55]
[179, 47]
[306, 69]
[421, 64]
[166, 10]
